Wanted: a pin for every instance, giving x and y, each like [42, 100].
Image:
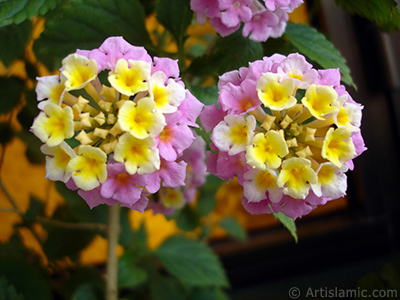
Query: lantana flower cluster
[261, 19]
[289, 133]
[116, 125]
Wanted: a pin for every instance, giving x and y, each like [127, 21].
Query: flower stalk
[112, 259]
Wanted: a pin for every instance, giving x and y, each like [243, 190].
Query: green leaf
[8, 292]
[85, 24]
[207, 95]
[27, 279]
[13, 40]
[188, 219]
[231, 53]
[17, 11]
[287, 222]
[192, 262]
[384, 12]
[175, 16]
[233, 228]
[85, 292]
[206, 200]
[209, 294]
[130, 275]
[166, 288]
[316, 47]
[78, 280]
[11, 91]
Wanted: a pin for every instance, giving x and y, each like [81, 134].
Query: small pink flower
[190, 109]
[174, 139]
[211, 116]
[113, 49]
[122, 186]
[239, 99]
[260, 26]
[234, 11]
[221, 28]
[171, 174]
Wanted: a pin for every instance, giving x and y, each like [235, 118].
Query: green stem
[112, 259]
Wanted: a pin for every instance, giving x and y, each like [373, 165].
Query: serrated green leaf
[13, 41]
[11, 91]
[17, 11]
[85, 24]
[130, 275]
[231, 53]
[175, 16]
[233, 228]
[288, 223]
[8, 292]
[316, 47]
[192, 262]
[384, 12]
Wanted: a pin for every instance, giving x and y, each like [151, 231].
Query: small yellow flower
[338, 146]
[320, 101]
[142, 120]
[258, 183]
[296, 176]
[266, 150]
[234, 134]
[57, 160]
[88, 168]
[138, 155]
[332, 182]
[274, 93]
[167, 94]
[349, 115]
[78, 71]
[130, 77]
[54, 124]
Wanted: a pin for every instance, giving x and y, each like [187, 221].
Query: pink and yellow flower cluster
[261, 19]
[116, 124]
[289, 133]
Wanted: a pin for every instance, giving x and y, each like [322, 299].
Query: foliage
[189, 269]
